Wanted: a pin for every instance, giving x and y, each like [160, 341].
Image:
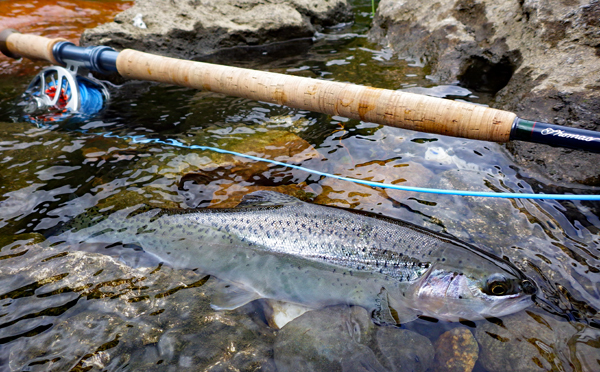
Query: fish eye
[498, 288]
[498, 285]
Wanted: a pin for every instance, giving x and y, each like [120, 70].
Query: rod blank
[382, 106]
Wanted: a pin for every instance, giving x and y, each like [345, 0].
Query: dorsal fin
[266, 198]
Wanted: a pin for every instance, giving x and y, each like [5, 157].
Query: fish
[277, 247]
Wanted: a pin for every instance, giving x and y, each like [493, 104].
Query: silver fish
[275, 246]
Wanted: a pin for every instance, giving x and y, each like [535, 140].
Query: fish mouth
[510, 305]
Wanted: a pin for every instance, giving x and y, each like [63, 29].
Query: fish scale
[275, 246]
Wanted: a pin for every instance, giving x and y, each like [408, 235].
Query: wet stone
[456, 351]
[524, 342]
[187, 29]
[404, 350]
[344, 338]
[538, 59]
[331, 339]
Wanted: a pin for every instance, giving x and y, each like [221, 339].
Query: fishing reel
[58, 94]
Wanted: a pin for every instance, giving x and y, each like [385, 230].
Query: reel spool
[57, 94]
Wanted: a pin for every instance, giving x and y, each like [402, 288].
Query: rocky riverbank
[193, 29]
[539, 59]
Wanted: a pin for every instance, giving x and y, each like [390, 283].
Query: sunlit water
[96, 308]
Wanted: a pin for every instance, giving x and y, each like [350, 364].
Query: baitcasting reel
[57, 94]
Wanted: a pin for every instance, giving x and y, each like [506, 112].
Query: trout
[274, 246]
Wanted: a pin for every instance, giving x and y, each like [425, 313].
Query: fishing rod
[62, 90]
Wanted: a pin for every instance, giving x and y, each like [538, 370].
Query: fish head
[453, 293]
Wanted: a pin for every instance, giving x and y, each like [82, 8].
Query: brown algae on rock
[456, 351]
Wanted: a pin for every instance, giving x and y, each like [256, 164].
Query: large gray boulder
[196, 28]
[538, 58]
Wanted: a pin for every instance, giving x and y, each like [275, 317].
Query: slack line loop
[506, 195]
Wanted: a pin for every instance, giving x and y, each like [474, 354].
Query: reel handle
[15, 45]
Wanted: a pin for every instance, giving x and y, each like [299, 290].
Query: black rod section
[555, 135]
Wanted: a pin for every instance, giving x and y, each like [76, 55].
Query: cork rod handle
[29, 46]
[382, 106]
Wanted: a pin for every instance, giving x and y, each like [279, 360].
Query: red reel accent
[62, 99]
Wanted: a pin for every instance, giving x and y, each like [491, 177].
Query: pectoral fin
[385, 314]
[230, 297]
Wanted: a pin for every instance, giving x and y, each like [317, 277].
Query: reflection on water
[113, 308]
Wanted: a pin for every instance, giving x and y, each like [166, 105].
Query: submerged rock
[527, 341]
[343, 338]
[80, 311]
[456, 351]
[403, 350]
[188, 29]
[332, 339]
[538, 59]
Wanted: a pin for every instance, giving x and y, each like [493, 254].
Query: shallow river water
[92, 308]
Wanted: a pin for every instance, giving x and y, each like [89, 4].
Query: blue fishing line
[512, 195]
[92, 99]
[92, 102]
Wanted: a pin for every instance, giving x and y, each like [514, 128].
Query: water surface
[103, 309]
